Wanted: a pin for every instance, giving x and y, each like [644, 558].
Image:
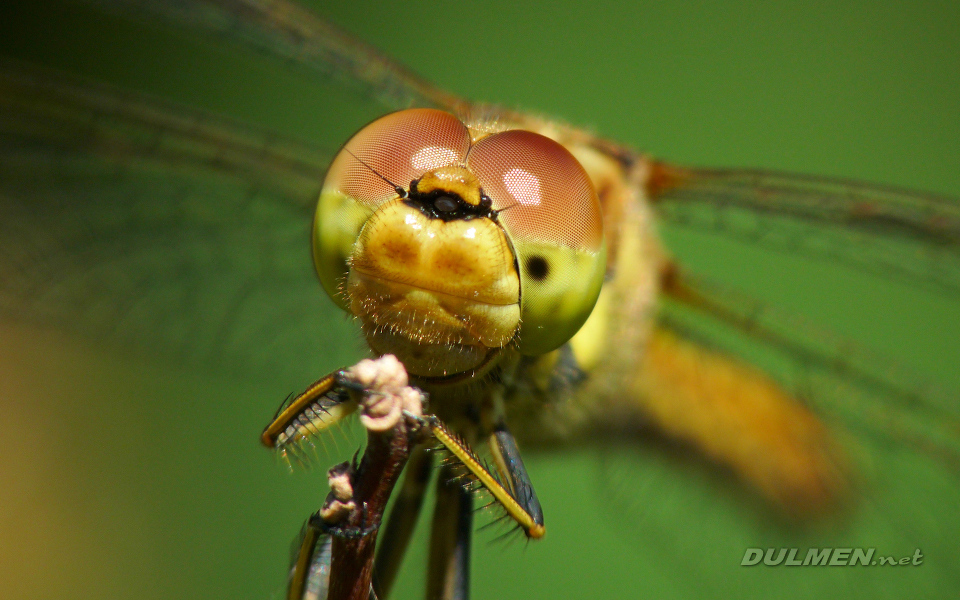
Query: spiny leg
[506, 456]
[334, 396]
[324, 403]
[509, 476]
[336, 552]
[448, 575]
[395, 536]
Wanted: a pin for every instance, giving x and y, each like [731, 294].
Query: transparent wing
[900, 435]
[893, 233]
[150, 224]
[287, 31]
[882, 230]
[867, 394]
[136, 220]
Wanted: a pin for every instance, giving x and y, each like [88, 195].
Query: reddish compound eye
[547, 195]
[398, 148]
[551, 211]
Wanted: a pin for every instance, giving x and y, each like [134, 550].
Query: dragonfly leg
[525, 510]
[353, 510]
[506, 456]
[325, 402]
[448, 575]
[396, 534]
[310, 572]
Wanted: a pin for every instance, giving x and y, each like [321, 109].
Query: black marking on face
[448, 205]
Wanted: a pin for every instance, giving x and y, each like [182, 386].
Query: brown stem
[357, 500]
[351, 570]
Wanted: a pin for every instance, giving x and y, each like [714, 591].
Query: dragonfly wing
[823, 369]
[291, 33]
[909, 237]
[881, 453]
[802, 415]
[135, 220]
[884, 230]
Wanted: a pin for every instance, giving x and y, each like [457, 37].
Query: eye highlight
[549, 195]
[398, 148]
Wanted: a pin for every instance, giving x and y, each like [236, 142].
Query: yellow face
[452, 245]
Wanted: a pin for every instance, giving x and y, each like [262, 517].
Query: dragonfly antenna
[402, 192]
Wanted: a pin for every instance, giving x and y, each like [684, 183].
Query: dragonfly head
[450, 245]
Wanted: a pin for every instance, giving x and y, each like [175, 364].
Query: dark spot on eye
[537, 267]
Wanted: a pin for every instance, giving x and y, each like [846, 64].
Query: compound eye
[546, 192]
[396, 148]
[551, 212]
[391, 151]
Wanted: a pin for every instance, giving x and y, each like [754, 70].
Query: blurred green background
[127, 476]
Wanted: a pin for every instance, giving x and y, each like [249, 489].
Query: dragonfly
[906, 483]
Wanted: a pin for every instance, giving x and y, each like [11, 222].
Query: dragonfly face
[434, 268]
[694, 105]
